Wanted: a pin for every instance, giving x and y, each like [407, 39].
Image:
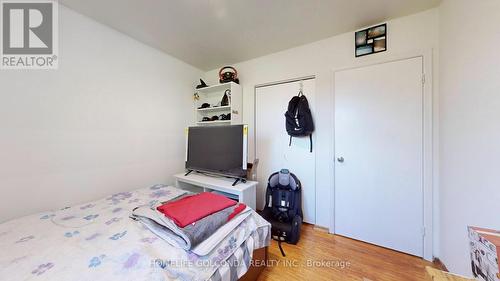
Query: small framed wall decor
[371, 40]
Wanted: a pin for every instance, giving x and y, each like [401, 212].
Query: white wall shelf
[213, 96]
[215, 88]
[227, 122]
[213, 109]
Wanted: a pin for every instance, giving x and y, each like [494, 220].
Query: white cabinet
[244, 192]
[213, 95]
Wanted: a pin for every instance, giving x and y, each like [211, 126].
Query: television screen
[218, 150]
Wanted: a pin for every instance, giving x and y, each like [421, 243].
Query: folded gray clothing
[185, 237]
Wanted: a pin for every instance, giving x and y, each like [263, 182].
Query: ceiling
[209, 33]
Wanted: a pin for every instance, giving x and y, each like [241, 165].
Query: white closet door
[272, 148]
[379, 155]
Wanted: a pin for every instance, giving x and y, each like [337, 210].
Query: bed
[98, 241]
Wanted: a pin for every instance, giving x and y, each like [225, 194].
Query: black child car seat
[284, 207]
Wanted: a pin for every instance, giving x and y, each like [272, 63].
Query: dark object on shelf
[225, 98]
[283, 207]
[298, 119]
[205, 119]
[204, 105]
[225, 116]
[214, 118]
[371, 40]
[228, 76]
[202, 85]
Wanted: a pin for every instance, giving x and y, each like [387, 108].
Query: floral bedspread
[98, 241]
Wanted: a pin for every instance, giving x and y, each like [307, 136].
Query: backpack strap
[296, 111]
[290, 142]
[310, 142]
[279, 245]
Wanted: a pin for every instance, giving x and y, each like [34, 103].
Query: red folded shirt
[236, 211]
[193, 208]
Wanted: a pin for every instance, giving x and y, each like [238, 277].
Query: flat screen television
[220, 150]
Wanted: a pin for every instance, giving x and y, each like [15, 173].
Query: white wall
[469, 124]
[110, 119]
[408, 35]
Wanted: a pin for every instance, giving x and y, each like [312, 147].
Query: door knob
[340, 159]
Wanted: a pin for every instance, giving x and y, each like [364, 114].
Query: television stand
[244, 191]
[188, 172]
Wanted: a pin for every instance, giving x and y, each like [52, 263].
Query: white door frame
[428, 143]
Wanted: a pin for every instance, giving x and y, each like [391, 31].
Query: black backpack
[298, 118]
[284, 207]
